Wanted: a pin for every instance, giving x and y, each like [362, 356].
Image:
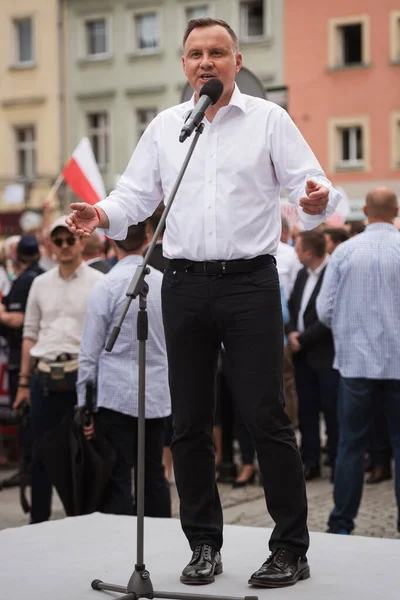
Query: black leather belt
[221, 267]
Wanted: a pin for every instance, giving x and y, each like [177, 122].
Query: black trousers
[317, 390]
[244, 312]
[121, 431]
[48, 409]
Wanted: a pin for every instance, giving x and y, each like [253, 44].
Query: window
[197, 12]
[143, 117]
[395, 37]
[25, 138]
[349, 144]
[147, 37]
[350, 45]
[349, 42]
[24, 41]
[395, 130]
[96, 42]
[98, 133]
[252, 19]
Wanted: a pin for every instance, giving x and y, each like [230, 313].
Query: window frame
[28, 146]
[395, 139]
[336, 163]
[106, 132]
[267, 20]
[394, 26]
[108, 36]
[334, 47]
[16, 62]
[194, 5]
[139, 127]
[133, 43]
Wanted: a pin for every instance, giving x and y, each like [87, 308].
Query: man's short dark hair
[337, 234]
[314, 241]
[134, 239]
[356, 227]
[210, 22]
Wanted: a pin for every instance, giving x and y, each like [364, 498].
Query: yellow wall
[29, 96]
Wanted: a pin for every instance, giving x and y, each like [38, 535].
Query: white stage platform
[58, 560]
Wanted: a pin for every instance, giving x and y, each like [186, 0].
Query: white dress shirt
[116, 372]
[311, 282]
[227, 206]
[56, 310]
[288, 266]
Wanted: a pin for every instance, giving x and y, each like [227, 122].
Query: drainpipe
[61, 90]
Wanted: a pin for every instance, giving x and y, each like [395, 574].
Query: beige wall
[29, 95]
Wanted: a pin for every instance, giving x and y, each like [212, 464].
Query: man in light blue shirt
[116, 377]
[359, 301]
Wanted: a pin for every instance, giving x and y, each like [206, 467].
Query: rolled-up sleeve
[294, 164]
[94, 337]
[33, 314]
[326, 298]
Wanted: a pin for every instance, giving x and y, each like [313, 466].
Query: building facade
[342, 70]
[124, 64]
[31, 103]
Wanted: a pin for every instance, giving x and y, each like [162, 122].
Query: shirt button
[210, 206]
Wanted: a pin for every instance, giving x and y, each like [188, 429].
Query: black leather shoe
[206, 562]
[281, 569]
[378, 474]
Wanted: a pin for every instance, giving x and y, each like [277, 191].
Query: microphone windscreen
[213, 89]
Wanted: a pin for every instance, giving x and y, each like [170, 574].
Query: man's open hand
[84, 219]
[316, 198]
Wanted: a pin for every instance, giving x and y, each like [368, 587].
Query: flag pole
[53, 191]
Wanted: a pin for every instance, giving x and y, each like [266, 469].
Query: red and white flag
[82, 174]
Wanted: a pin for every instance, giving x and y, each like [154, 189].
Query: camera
[17, 416]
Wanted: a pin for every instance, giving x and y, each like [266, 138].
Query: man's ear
[365, 211]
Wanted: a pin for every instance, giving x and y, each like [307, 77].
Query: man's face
[66, 246]
[210, 53]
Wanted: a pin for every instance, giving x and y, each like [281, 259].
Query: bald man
[93, 252]
[359, 300]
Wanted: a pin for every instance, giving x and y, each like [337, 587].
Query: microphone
[210, 93]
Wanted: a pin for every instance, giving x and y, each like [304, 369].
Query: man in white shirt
[287, 262]
[222, 286]
[52, 332]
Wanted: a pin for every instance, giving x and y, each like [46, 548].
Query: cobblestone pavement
[246, 506]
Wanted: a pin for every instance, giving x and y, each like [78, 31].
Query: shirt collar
[75, 274]
[135, 259]
[318, 270]
[375, 226]
[237, 99]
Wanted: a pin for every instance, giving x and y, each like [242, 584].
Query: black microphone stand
[139, 584]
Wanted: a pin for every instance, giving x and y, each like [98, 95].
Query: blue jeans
[357, 399]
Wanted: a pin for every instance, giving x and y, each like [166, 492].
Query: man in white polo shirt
[51, 338]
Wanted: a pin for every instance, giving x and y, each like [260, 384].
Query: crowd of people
[66, 321]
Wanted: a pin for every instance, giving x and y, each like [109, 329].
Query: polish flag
[82, 174]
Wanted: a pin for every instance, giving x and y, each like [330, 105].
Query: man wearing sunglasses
[52, 334]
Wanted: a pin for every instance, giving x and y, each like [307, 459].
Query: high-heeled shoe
[244, 482]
